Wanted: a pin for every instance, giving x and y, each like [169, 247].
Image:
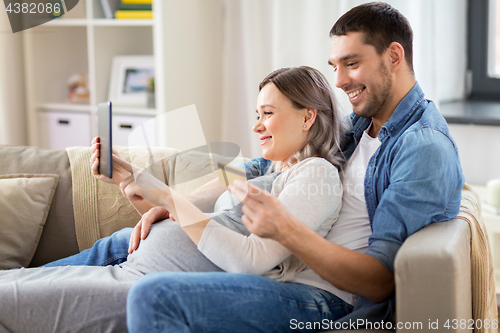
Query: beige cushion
[24, 205]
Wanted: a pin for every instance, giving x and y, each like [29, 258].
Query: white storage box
[59, 130]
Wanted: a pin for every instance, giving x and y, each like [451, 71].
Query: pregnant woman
[299, 127]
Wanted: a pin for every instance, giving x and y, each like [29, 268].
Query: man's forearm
[354, 272]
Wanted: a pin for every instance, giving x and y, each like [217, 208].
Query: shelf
[484, 113]
[127, 110]
[66, 107]
[99, 23]
[121, 23]
[67, 23]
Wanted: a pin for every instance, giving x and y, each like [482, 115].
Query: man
[399, 150]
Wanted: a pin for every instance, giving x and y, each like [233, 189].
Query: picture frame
[129, 80]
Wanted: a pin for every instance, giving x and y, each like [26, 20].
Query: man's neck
[401, 89]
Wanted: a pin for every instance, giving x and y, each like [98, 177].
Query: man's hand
[142, 228]
[354, 272]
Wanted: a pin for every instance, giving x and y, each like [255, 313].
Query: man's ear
[396, 55]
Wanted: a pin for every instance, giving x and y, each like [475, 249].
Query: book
[133, 14]
[136, 7]
[137, 2]
[109, 7]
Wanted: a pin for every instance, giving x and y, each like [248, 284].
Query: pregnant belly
[168, 248]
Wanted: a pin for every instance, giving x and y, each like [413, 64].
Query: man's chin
[361, 112]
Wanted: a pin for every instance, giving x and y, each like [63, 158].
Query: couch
[432, 268]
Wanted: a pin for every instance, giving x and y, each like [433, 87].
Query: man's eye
[351, 64]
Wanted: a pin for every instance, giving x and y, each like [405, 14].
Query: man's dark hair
[381, 25]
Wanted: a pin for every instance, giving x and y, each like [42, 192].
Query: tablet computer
[104, 133]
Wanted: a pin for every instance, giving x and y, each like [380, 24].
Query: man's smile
[354, 95]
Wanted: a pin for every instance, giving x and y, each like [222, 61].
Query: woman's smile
[265, 139]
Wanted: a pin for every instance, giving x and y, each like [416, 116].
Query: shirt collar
[405, 109]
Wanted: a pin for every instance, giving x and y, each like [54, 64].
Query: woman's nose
[258, 127]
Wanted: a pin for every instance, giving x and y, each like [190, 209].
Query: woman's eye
[266, 113]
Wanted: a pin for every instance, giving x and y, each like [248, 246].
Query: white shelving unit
[184, 36]
[84, 42]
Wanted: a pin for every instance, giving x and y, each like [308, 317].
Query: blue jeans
[226, 302]
[110, 250]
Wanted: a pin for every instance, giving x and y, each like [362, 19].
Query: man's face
[362, 73]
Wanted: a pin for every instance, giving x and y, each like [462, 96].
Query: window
[484, 49]
[494, 39]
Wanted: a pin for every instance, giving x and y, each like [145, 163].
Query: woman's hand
[121, 168]
[141, 185]
[142, 228]
[264, 215]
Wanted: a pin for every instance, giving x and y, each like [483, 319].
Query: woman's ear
[310, 118]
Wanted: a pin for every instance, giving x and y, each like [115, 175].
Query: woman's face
[280, 125]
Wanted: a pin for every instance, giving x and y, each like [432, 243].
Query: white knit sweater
[311, 192]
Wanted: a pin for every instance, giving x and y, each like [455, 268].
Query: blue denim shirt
[413, 179]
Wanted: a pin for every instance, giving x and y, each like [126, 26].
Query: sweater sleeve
[310, 191]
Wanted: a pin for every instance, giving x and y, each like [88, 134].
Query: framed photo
[130, 77]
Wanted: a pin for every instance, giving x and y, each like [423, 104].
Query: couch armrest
[433, 276]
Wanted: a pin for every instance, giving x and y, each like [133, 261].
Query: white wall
[193, 59]
[479, 149]
[263, 35]
[12, 104]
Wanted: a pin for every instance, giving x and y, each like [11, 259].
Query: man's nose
[341, 78]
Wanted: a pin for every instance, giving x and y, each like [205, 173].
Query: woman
[300, 130]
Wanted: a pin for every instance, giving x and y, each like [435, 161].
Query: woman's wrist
[118, 178]
[167, 201]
